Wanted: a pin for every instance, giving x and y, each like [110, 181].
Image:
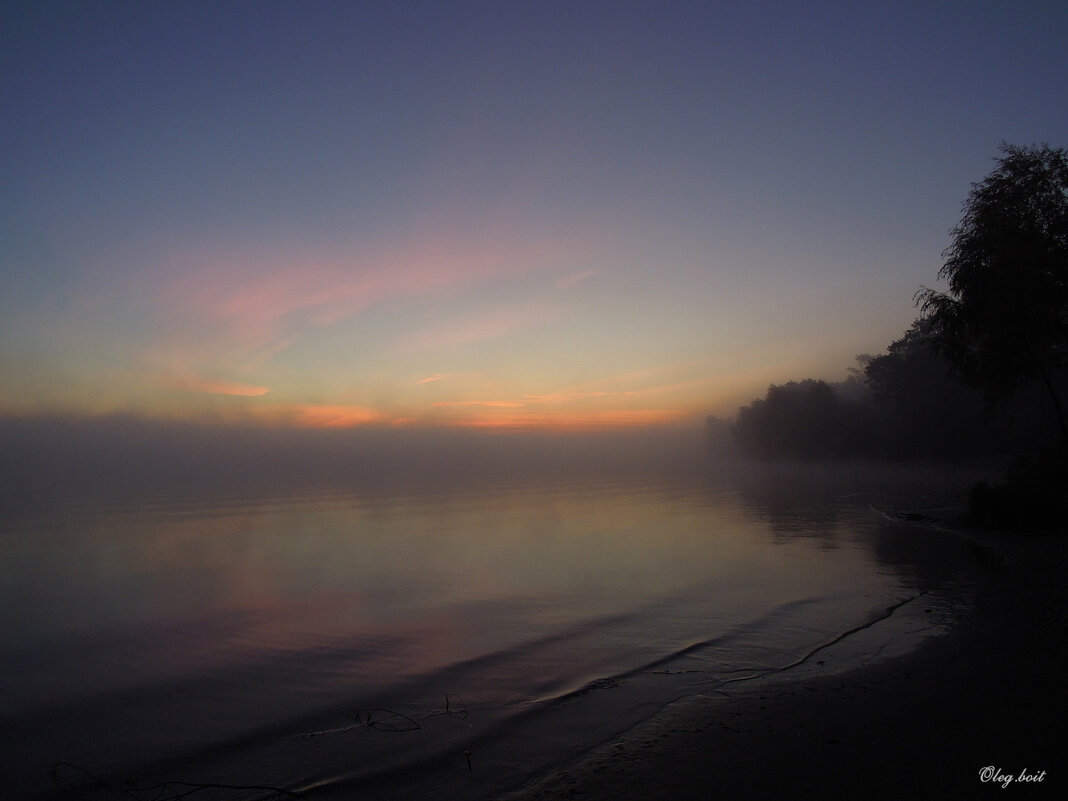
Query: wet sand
[989, 694]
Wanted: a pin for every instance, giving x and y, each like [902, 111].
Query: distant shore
[977, 712]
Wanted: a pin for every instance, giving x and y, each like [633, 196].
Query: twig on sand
[88, 782]
[382, 719]
[78, 782]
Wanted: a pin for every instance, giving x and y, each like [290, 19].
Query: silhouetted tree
[1004, 319]
[801, 420]
[922, 409]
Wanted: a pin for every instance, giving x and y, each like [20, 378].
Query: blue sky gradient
[491, 214]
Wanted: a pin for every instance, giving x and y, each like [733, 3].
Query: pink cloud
[230, 310]
[569, 281]
[267, 352]
[476, 328]
[257, 296]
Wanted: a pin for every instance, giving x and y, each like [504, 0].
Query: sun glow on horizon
[615, 419]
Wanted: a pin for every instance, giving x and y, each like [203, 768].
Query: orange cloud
[495, 404]
[326, 416]
[564, 397]
[211, 387]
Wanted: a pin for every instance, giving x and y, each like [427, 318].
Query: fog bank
[121, 454]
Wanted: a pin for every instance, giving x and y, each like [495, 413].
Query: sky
[500, 215]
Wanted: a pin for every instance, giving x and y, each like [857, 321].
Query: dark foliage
[904, 404]
[800, 420]
[1031, 497]
[983, 371]
[1003, 323]
[923, 410]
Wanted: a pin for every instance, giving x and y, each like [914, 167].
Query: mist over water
[350, 610]
[121, 456]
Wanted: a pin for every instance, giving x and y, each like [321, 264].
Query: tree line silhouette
[980, 373]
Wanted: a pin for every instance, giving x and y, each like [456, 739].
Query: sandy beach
[977, 712]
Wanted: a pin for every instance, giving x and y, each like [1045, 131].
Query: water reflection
[855, 503]
[220, 616]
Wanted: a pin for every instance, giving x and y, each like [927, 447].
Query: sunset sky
[532, 214]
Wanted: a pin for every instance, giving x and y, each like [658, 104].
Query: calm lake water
[402, 638]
